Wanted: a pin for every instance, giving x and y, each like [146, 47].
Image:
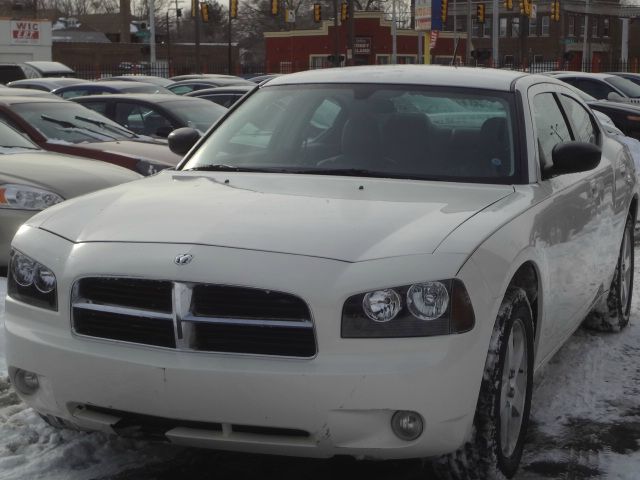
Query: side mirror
[574, 157]
[615, 97]
[182, 139]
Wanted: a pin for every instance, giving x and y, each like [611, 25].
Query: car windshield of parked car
[626, 86]
[394, 131]
[199, 115]
[69, 122]
[12, 142]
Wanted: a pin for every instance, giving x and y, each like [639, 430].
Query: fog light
[407, 425]
[26, 382]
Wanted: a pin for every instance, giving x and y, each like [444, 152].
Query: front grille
[127, 292]
[193, 317]
[126, 328]
[235, 302]
[260, 340]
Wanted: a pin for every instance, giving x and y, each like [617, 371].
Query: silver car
[32, 179]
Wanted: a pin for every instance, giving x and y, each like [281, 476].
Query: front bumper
[343, 398]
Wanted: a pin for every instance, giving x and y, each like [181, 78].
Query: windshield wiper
[350, 172]
[105, 125]
[20, 146]
[62, 123]
[68, 124]
[221, 167]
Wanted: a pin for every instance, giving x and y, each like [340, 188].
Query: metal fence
[160, 69]
[163, 69]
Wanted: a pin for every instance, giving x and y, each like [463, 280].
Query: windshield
[627, 87]
[395, 131]
[71, 123]
[200, 114]
[12, 142]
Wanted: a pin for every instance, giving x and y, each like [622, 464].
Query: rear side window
[9, 73]
[100, 107]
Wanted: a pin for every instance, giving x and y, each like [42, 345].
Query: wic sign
[25, 32]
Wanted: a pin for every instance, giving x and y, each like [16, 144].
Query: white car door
[564, 227]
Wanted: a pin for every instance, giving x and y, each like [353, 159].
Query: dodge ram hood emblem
[183, 259]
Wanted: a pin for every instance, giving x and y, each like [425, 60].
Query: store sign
[362, 46]
[423, 14]
[25, 32]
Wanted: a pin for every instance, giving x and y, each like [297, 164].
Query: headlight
[420, 310]
[25, 197]
[31, 282]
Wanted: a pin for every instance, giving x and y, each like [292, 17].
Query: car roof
[111, 84]
[25, 92]
[134, 77]
[213, 80]
[226, 89]
[599, 76]
[483, 78]
[15, 99]
[48, 81]
[196, 76]
[48, 67]
[146, 97]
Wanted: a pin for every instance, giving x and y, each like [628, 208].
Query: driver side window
[582, 123]
[551, 127]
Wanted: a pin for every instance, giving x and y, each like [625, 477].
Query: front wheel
[502, 412]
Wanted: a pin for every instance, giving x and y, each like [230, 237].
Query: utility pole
[495, 34]
[168, 45]
[229, 41]
[336, 50]
[196, 4]
[585, 44]
[394, 34]
[152, 32]
[177, 22]
[467, 52]
[351, 37]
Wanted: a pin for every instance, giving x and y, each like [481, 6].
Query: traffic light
[508, 4]
[204, 11]
[344, 11]
[555, 10]
[275, 7]
[233, 8]
[480, 13]
[444, 7]
[317, 12]
[178, 12]
[525, 7]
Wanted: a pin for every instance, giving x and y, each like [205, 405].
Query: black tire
[613, 315]
[486, 455]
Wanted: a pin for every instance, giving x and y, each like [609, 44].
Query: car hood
[63, 174]
[156, 151]
[343, 218]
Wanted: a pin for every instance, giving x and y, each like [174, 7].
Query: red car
[67, 127]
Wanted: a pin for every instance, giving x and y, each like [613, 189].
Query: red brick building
[295, 50]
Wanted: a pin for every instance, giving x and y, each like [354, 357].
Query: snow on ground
[585, 424]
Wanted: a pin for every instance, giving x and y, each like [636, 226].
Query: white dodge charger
[367, 261]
